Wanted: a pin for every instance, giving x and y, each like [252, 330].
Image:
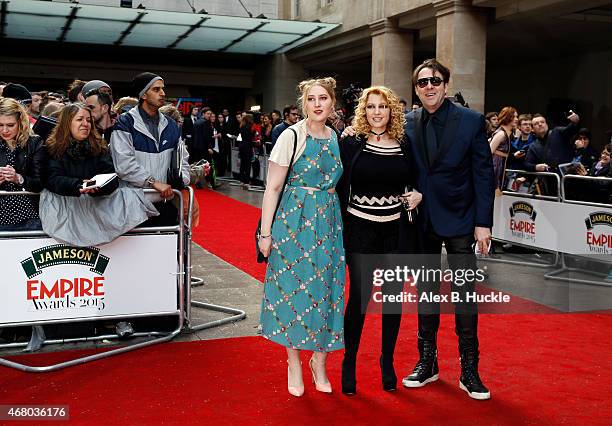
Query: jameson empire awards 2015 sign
[564, 227]
[44, 280]
[74, 293]
[522, 221]
[599, 232]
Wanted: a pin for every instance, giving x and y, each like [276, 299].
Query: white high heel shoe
[293, 390]
[321, 387]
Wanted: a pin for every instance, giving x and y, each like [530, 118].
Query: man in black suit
[203, 143]
[188, 125]
[455, 176]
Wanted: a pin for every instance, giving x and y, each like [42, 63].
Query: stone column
[392, 51]
[461, 45]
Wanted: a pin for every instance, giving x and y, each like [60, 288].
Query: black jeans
[461, 256]
[368, 237]
[245, 167]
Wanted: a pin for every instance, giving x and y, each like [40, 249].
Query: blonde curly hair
[395, 127]
[328, 83]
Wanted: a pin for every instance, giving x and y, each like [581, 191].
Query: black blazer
[66, 174]
[245, 148]
[203, 135]
[187, 131]
[30, 163]
[458, 187]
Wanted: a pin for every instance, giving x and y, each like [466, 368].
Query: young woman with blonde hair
[303, 301]
[22, 159]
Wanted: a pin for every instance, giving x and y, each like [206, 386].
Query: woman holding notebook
[84, 204]
[76, 154]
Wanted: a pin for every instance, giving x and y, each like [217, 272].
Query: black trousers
[364, 237]
[460, 256]
[245, 167]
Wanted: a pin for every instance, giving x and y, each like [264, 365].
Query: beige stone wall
[392, 52]
[351, 13]
[461, 36]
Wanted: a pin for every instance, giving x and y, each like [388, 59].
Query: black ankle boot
[470, 379]
[389, 379]
[426, 369]
[349, 382]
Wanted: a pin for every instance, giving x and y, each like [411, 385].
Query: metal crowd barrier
[522, 261]
[236, 314]
[184, 297]
[563, 267]
[156, 336]
[561, 257]
[235, 170]
[536, 196]
[587, 179]
[233, 160]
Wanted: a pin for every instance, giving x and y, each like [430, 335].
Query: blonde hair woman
[303, 301]
[22, 159]
[377, 180]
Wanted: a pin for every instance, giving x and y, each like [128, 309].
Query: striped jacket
[137, 155]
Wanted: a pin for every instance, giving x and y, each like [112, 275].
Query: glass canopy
[77, 23]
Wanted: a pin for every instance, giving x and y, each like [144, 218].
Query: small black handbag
[260, 257]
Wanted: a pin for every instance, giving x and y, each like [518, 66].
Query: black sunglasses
[423, 82]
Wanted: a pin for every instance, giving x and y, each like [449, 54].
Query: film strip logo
[60, 254]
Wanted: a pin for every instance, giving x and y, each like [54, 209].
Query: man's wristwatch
[150, 181]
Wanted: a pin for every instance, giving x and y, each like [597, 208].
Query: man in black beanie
[142, 144]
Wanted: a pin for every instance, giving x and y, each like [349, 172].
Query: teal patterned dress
[303, 303]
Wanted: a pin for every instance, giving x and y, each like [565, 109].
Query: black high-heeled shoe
[389, 379]
[349, 382]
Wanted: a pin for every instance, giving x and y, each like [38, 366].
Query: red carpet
[542, 369]
[554, 369]
[227, 229]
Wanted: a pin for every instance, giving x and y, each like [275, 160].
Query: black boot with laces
[426, 369]
[470, 380]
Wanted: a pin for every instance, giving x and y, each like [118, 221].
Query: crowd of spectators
[529, 144]
[212, 135]
[57, 143]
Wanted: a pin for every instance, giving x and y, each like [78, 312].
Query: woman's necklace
[378, 135]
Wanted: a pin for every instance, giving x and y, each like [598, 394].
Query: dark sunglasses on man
[423, 82]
